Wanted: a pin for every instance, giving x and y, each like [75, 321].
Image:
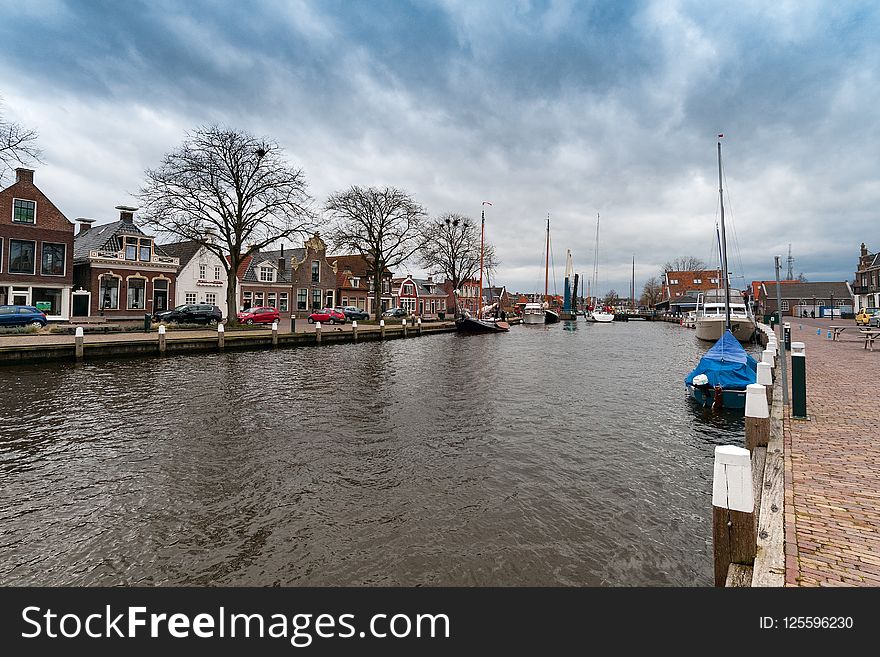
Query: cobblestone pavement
[832, 464]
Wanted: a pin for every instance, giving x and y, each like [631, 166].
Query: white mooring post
[162, 339]
[354, 330]
[317, 331]
[79, 342]
[419, 325]
[757, 417]
[733, 510]
[382, 329]
[274, 334]
[403, 323]
[768, 357]
[221, 336]
[765, 378]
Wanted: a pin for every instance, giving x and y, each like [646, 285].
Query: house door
[82, 301]
[19, 299]
[421, 307]
[160, 295]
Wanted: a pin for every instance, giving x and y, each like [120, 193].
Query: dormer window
[267, 274]
[146, 251]
[24, 212]
[355, 282]
[131, 244]
[409, 288]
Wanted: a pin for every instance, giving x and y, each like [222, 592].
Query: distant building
[419, 296]
[676, 284]
[201, 277]
[119, 271]
[36, 249]
[497, 295]
[866, 288]
[355, 284]
[800, 298]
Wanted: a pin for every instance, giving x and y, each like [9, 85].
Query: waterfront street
[832, 492]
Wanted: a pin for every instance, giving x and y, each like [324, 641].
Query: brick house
[423, 297]
[36, 249]
[119, 272]
[467, 299]
[354, 283]
[680, 283]
[298, 281]
[810, 297]
[497, 295]
[867, 281]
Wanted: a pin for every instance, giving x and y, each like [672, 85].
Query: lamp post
[832, 305]
[814, 305]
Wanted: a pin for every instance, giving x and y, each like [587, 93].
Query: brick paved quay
[832, 464]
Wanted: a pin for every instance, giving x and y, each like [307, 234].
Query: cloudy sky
[560, 107]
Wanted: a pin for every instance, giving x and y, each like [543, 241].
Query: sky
[568, 109]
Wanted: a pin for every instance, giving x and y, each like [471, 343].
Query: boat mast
[596, 266]
[482, 236]
[723, 244]
[547, 261]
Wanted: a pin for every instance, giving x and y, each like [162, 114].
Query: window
[248, 296]
[697, 281]
[1, 255]
[673, 281]
[131, 248]
[282, 302]
[302, 298]
[218, 273]
[266, 274]
[109, 291]
[21, 257]
[386, 286]
[24, 212]
[48, 300]
[211, 298]
[258, 298]
[344, 301]
[784, 305]
[316, 271]
[271, 301]
[714, 281]
[409, 288]
[137, 288]
[53, 259]
[190, 298]
[316, 299]
[146, 251]
[355, 282]
[203, 272]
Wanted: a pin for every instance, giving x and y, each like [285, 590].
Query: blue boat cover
[726, 364]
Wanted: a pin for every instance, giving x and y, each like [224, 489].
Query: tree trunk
[232, 298]
[377, 294]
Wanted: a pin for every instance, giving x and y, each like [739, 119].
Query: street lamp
[814, 305]
[832, 305]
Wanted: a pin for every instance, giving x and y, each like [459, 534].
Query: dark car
[22, 316]
[395, 312]
[191, 313]
[259, 315]
[353, 312]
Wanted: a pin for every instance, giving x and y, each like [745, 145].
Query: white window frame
[283, 305]
[64, 268]
[190, 298]
[698, 281]
[203, 272]
[355, 281]
[266, 274]
[16, 273]
[118, 291]
[23, 223]
[1, 254]
[128, 288]
[784, 305]
[218, 273]
[211, 298]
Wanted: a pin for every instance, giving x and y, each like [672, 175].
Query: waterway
[559, 455]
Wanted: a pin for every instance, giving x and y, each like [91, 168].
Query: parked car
[22, 316]
[395, 312]
[190, 313]
[875, 320]
[353, 312]
[863, 317]
[259, 315]
[326, 315]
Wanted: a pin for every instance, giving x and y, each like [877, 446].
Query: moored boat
[722, 375]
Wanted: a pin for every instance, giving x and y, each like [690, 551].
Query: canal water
[560, 455]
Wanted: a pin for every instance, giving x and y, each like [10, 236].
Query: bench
[870, 335]
[837, 330]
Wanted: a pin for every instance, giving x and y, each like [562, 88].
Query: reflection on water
[562, 454]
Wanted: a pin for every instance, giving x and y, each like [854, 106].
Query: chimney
[281, 261]
[210, 235]
[24, 175]
[126, 213]
[864, 249]
[84, 224]
[430, 278]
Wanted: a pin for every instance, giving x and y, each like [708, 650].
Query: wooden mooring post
[733, 510]
[162, 340]
[403, 323]
[757, 417]
[317, 331]
[354, 330]
[765, 378]
[221, 337]
[274, 334]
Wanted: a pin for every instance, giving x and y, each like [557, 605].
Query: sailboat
[594, 313]
[724, 372]
[716, 311]
[465, 323]
[540, 313]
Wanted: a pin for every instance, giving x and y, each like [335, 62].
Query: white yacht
[711, 319]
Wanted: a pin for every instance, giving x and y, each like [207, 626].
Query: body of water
[559, 455]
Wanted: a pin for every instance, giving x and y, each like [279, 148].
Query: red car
[327, 315]
[259, 315]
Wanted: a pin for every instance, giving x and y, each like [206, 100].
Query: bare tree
[611, 298]
[233, 184]
[18, 145]
[382, 225]
[451, 247]
[651, 292]
[684, 263]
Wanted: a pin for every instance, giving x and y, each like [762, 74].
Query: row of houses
[115, 270]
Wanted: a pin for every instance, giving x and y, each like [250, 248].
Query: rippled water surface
[553, 455]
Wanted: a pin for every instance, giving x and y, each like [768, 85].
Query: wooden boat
[467, 324]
